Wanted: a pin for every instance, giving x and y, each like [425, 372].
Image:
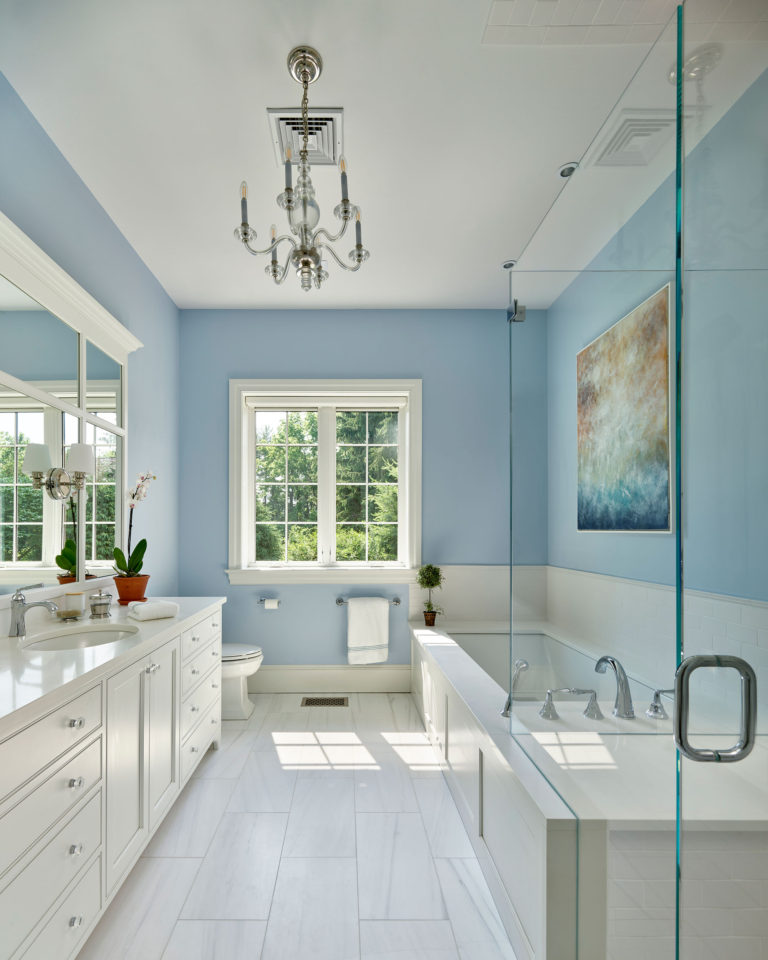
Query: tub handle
[743, 746]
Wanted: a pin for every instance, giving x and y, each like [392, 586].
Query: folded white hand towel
[152, 609]
[367, 630]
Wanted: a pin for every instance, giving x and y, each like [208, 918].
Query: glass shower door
[723, 805]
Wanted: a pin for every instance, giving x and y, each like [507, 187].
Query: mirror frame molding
[27, 266]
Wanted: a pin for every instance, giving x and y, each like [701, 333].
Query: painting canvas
[623, 423]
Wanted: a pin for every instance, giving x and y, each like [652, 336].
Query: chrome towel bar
[395, 601]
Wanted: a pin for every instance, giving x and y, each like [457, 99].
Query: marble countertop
[28, 675]
[612, 770]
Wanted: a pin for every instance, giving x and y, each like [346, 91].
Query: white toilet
[238, 662]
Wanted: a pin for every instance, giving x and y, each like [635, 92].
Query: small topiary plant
[130, 566]
[67, 559]
[430, 578]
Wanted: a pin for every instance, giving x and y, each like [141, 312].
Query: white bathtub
[615, 778]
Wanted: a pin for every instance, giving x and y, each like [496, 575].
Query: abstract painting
[623, 423]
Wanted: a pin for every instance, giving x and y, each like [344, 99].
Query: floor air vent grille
[325, 702]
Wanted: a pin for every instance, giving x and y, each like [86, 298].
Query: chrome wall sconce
[59, 483]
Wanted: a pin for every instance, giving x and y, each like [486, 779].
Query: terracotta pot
[64, 579]
[131, 588]
[429, 618]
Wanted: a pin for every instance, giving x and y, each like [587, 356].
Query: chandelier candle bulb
[273, 237]
[288, 170]
[358, 230]
[344, 186]
[244, 202]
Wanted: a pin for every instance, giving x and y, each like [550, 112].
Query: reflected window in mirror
[103, 490]
[103, 385]
[30, 524]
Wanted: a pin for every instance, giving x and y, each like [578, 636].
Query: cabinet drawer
[63, 933]
[33, 815]
[27, 752]
[201, 739]
[195, 669]
[199, 700]
[197, 637]
[24, 901]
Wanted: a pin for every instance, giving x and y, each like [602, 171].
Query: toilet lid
[239, 651]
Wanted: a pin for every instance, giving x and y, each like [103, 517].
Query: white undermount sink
[77, 636]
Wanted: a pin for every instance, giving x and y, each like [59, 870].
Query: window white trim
[361, 394]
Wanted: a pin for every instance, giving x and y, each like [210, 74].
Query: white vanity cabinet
[142, 754]
[87, 776]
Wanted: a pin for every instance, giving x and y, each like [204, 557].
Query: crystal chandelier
[308, 242]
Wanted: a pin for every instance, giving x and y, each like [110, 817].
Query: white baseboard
[377, 678]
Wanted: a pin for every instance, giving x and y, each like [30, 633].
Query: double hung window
[325, 475]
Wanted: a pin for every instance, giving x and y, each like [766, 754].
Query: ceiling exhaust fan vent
[635, 138]
[326, 133]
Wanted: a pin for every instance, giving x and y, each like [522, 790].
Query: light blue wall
[42, 194]
[528, 353]
[725, 363]
[462, 358]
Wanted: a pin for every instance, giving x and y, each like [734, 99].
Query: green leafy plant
[130, 566]
[67, 559]
[430, 578]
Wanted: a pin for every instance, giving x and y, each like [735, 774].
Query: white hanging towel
[367, 630]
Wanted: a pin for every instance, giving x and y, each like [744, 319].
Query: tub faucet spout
[622, 708]
[520, 666]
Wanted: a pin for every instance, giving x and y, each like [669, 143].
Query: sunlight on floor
[343, 750]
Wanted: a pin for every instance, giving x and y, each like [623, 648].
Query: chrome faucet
[19, 607]
[622, 708]
[592, 710]
[520, 666]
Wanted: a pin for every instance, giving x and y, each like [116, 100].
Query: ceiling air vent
[326, 133]
[635, 138]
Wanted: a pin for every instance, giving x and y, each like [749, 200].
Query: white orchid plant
[130, 565]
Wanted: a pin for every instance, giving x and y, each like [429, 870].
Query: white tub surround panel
[91, 760]
[511, 814]
[325, 678]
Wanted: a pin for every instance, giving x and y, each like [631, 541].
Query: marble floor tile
[407, 940]
[237, 876]
[385, 787]
[396, 875]
[216, 940]
[228, 761]
[192, 821]
[476, 924]
[322, 819]
[446, 833]
[263, 786]
[314, 911]
[139, 921]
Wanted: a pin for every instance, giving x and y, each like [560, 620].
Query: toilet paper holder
[269, 603]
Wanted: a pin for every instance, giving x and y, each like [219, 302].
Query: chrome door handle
[748, 729]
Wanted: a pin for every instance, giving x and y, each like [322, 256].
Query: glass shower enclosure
[639, 439]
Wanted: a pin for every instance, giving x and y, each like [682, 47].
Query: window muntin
[367, 481]
[21, 507]
[285, 475]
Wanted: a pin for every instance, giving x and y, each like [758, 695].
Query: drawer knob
[75, 921]
[214, 653]
[77, 723]
[214, 686]
[76, 850]
[153, 668]
[194, 709]
[214, 624]
[195, 639]
[193, 749]
[77, 783]
[194, 671]
[213, 720]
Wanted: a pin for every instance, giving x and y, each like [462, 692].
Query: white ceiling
[453, 140]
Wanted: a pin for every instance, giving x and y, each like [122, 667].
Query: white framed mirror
[62, 382]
